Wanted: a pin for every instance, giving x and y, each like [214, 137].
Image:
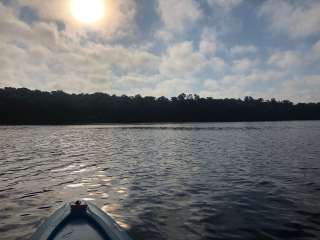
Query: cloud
[298, 19]
[17, 31]
[221, 89]
[173, 87]
[301, 89]
[285, 59]
[217, 64]
[208, 44]
[92, 67]
[181, 60]
[156, 85]
[226, 5]
[243, 65]
[178, 15]
[133, 84]
[242, 50]
[239, 85]
[256, 76]
[272, 84]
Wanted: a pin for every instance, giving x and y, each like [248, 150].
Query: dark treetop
[24, 106]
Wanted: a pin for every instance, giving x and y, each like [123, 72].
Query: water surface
[167, 181]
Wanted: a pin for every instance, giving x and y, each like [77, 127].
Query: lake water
[167, 181]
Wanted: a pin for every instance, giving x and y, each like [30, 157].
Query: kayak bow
[80, 221]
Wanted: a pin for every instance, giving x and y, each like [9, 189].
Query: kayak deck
[80, 221]
[79, 228]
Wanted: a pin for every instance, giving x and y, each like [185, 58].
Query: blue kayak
[80, 221]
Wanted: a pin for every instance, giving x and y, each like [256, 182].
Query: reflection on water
[167, 181]
[111, 209]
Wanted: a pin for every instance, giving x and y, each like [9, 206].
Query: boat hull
[80, 221]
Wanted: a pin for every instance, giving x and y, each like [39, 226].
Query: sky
[214, 48]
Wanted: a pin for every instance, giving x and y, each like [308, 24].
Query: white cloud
[238, 85]
[242, 50]
[181, 60]
[208, 44]
[178, 15]
[243, 65]
[298, 19]
[133, 84]
[301, 88]
[87, 69]
[173, 87]
[217, 64]
[165, 35]
[285, 59]
[19, 32]
[156, 85]
[184, 60]
[220, 89]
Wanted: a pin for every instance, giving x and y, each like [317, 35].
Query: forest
[23, 107]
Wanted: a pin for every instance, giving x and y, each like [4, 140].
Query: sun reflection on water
[90, 183]
[111, 210]
[75, 185]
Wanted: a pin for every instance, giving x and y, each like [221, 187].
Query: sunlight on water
[107, 179]
[111, 210]
[88, 199]
[75, 185]
[72, 166]
[124, 225]
[122, 190]
[80, 171]
[92, 185]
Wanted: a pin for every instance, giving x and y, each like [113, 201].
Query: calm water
[172, 181]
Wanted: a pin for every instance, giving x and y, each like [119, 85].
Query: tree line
[24, 106]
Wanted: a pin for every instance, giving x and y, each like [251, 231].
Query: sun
[88, 11]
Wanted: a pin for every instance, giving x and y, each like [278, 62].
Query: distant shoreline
[33, 107]
[146, 123]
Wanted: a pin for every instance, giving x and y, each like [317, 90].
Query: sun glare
[88, 11]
